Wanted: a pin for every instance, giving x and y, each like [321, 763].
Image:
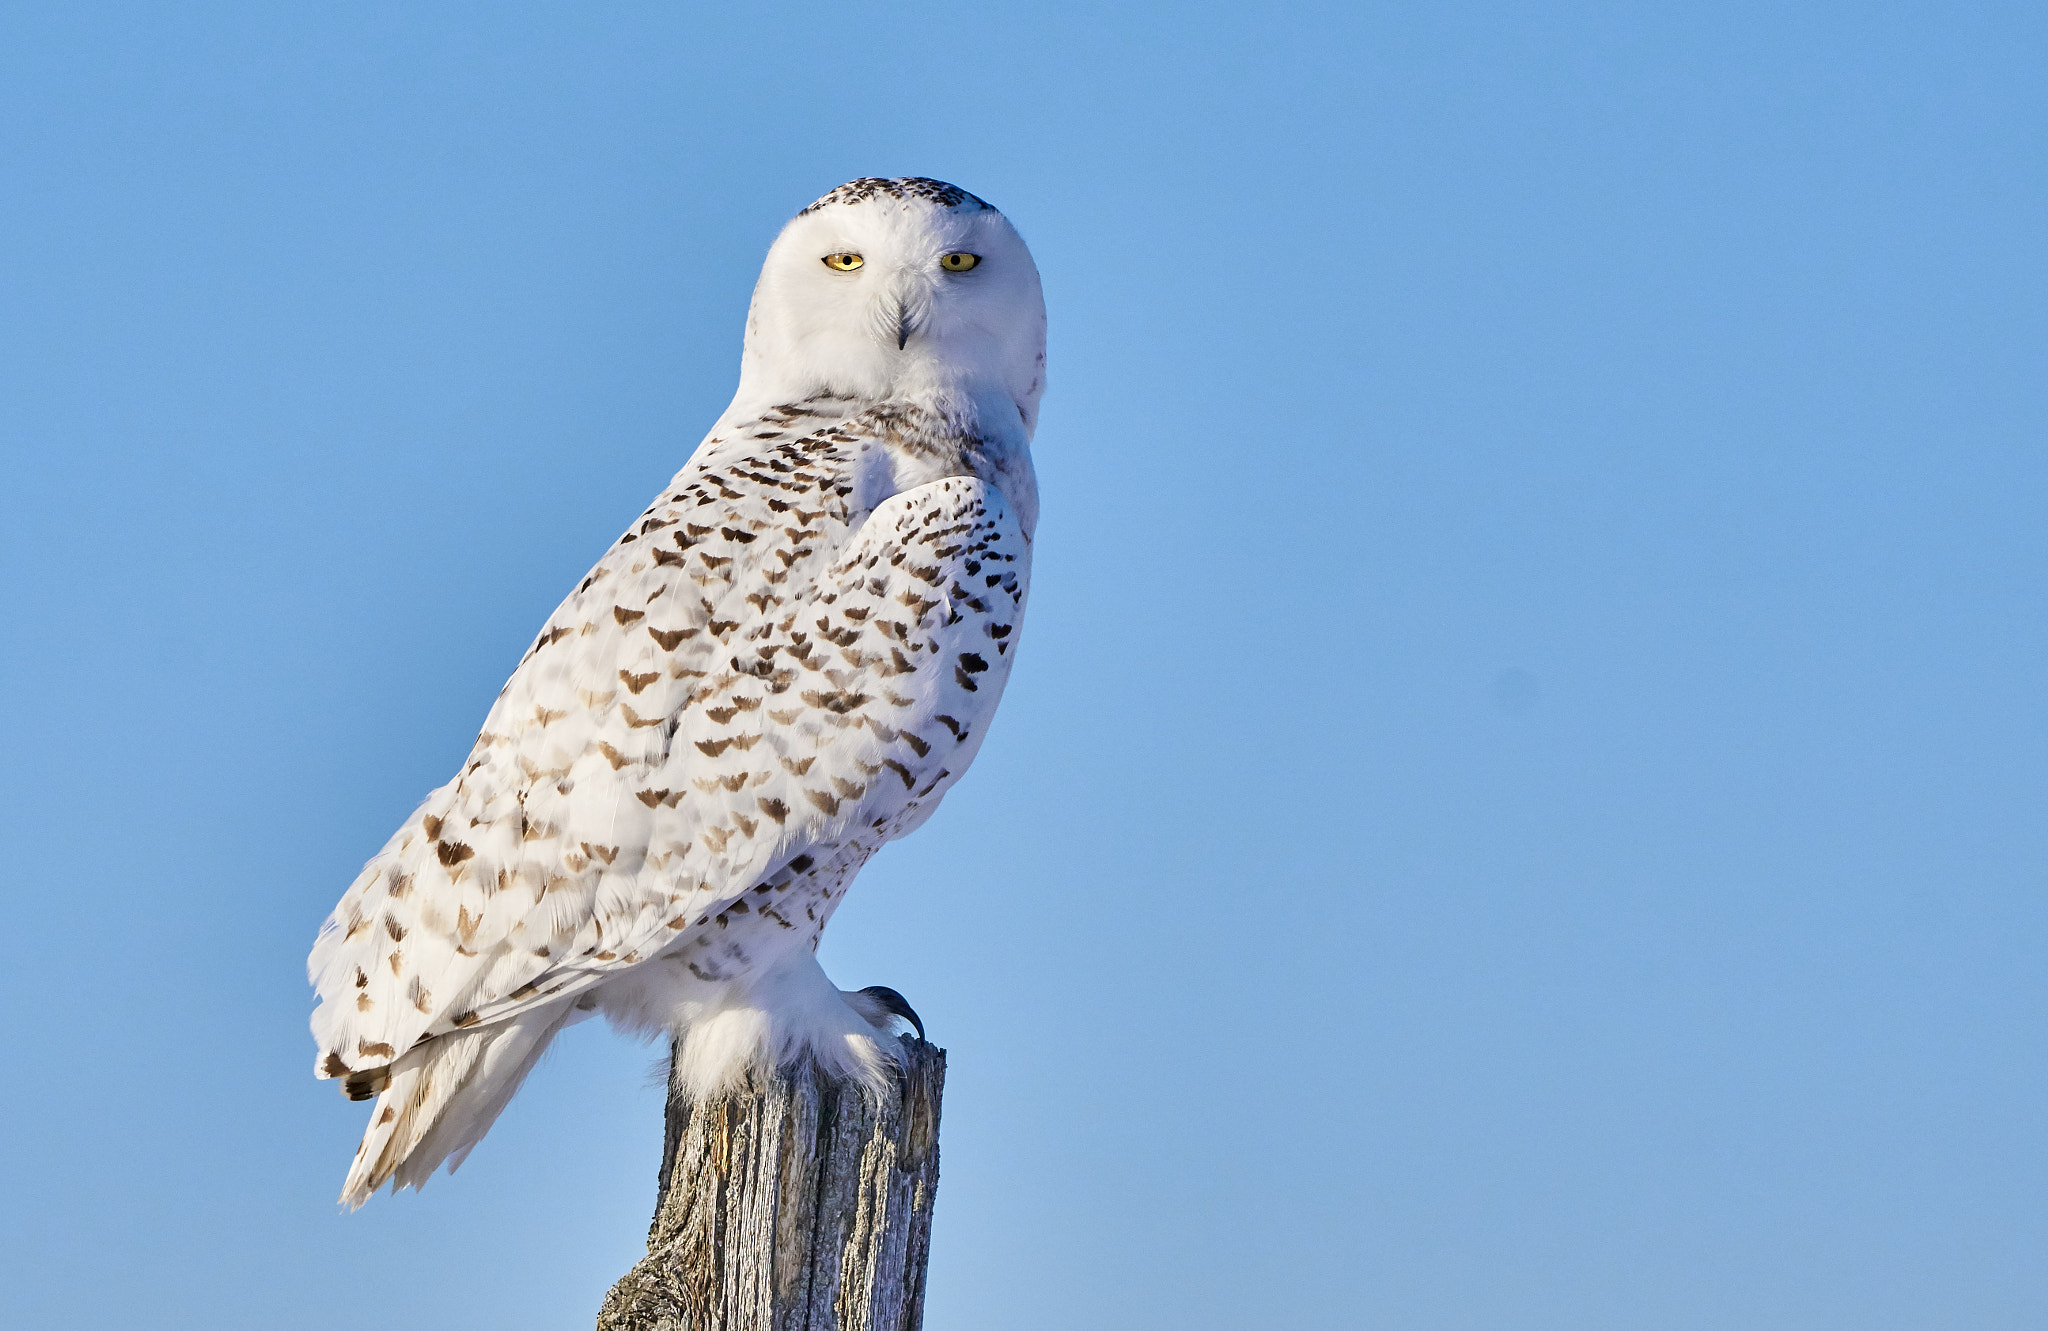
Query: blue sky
[1521, 803]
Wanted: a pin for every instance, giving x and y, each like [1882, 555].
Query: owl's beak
[906, 323]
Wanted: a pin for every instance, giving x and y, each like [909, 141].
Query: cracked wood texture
[796, 1203]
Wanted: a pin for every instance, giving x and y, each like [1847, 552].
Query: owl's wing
[753, 677]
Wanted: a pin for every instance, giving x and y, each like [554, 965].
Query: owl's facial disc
[892, 287]
[909, 280]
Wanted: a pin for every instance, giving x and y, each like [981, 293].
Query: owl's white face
[890, 292]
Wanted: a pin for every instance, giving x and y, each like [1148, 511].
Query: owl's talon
[896, 1005]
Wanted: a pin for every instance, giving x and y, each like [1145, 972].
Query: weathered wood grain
[797, 1203]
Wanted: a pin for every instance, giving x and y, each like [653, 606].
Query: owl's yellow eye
[959, 261]
[842, 263]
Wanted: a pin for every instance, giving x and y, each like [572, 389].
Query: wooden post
[796, 1203]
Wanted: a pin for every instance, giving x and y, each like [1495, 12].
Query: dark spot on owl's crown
[902, 187]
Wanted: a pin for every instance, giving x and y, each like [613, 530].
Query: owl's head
[905, 287]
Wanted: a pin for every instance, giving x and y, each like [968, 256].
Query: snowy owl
[784, 663]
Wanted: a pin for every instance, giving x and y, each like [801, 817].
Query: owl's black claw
[895, 1004]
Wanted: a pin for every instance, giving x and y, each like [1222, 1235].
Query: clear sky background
[1521, 804]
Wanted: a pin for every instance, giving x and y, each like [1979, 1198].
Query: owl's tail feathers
[439, 1099]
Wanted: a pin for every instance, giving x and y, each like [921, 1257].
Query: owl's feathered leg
[782, 1010]
[438, 1100]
